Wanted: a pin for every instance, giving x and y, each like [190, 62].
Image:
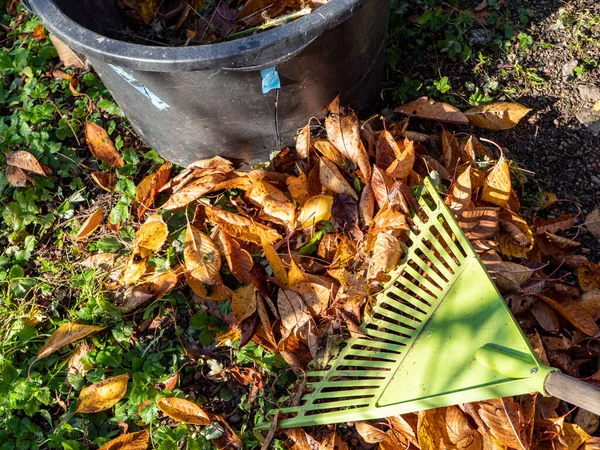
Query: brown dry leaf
[241, 227]
[590, 301]
[148, 9]
[102, 146]
[467, 150]
[153, 287]
[66, 55]
[298, 188]
[545, 316]
[15, 176]
[370, 434]
[75, 365]
[588, 421]
[497, 186]
[430, 429]
[387, 150]
[102, 395]
[516, 272]
[343, 130]
[239, 260]
[592, 222]
[292, 310]
[333, 441]
[561, 223]
[183, 410]
[386, 254]
[570, 436]
[201, 255]
[276, 263]
[402, 166]
[332, 179]
[451, 150]
[104, 261]
[426, 108]
[497, 116]
[194, 190]
[244, 302]
[130, 441]
[303, 142]
[366, 205]
[65, 335]
[315, 210]
[24, 161]
[105, 180]
[381, 185]
[148, 189]
[460, 198]
[458, 431]
[505, 421]
[273, 202]
[315, 296]
[215, 290]
[589, 277]
[328, 150]
[576, 314]
[151, 236]
[90, 225]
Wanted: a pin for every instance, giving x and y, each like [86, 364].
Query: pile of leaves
[185, 22]
[291, 255]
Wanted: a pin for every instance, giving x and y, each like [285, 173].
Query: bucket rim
[260, 50]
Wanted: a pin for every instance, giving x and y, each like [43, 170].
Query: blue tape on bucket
[270, 79]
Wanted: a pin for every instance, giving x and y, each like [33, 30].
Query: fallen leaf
[148, 9]
[450, 149]
[241, 227]
[386, 254]
[65, 334]
[516, 238]
[505, 421]
[366, 205]
[386, 150]
[291, 309]
[590, 301]
[460, 197]
[244, 302]
[102, 146]
[90, 225]
[315, 210]
[74, 365]
[148, 189]
[332, 179]
[151, 236]
[194, 190]
[343, 130]
[545, 316]
[24, 161]
[430, 429]
[273, 202]
[298, 188]
[303, 142]
[276, 263]
[588, 421]
[402, 166]
[104, 261]
[182, 410]
[497, 116]
[369, 433]
[381, 184]
[66, 55]
[458, 433]
[574, 313]
[102, 395]
[592, 222]
[333, 441]
[426, 108]
[589, 277]
[497, 185]
[561, 223]
[130, 441]
[328, 150]
[202, 257]
[239, 260]
[153, 287]
[315, 296]
[15, 176]
[105, 180]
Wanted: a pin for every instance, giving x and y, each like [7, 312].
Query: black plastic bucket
[190, 103]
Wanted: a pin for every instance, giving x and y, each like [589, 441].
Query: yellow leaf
[243, 302]
[315, 210]
[241, 227]
[102, 146]
[298, 188]
[402, 166]
[273, 202]
[105, 180]
[239, 260]
[183, 411]
[460, 198]
[497, 116]
[194, 190]
[497, 186]
[589, 277]
[151, 236]
[90, 225]
[276, 263]
[516, 238]
[328, 150]
[295, 275]
[147, 190]
[129, 441]
[215, 290]
[102, 395]
[64, 335]
[148, 9]
[201, 255]
[25, 161]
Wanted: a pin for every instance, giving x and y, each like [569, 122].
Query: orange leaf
[276, 263]
[497, 116]
[506, 422]
[130, 441]
[244, 302]
[426, 108]
[331, 178]
[497, 186]
[402, 166]
[148, 189]
[102, 146]
[102, 395]
[182, 410]
[105, 180]
[239, 260]
[202, 257]
[90, 225]
[575, 313]
[241, 227]
[303, 142]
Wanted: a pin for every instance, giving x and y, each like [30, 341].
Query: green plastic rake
[439, 334]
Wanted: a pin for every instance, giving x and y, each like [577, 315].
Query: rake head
[439, 334]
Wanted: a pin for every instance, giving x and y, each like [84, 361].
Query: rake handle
[574, 391]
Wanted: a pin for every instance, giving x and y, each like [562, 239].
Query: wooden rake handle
[574, 391]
